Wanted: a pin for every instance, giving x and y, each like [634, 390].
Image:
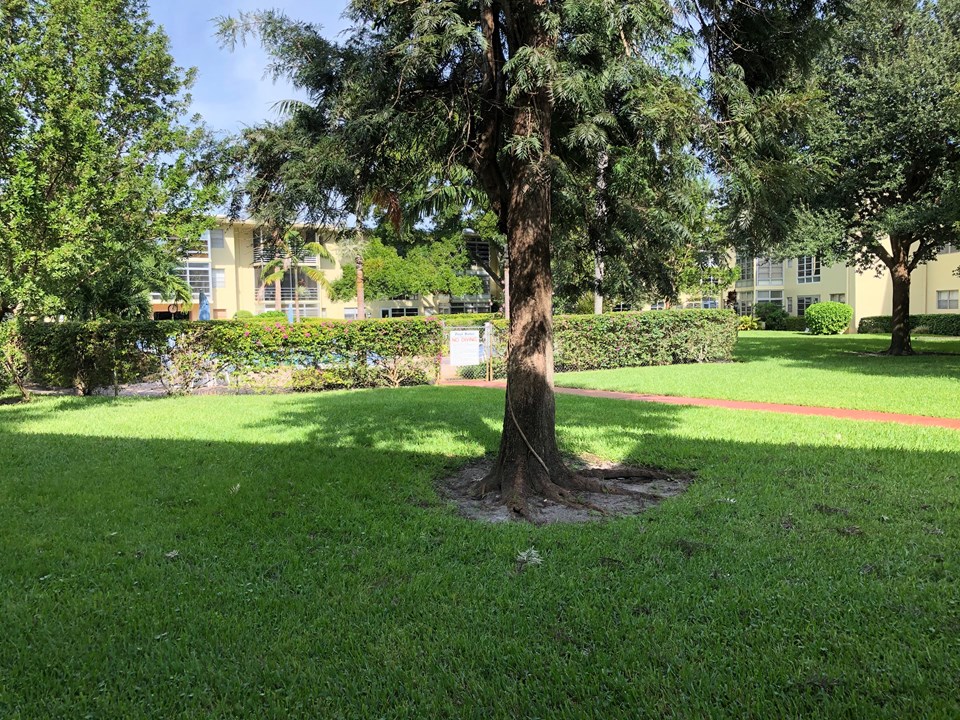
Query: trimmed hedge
[924, 324]
[318, 354]
[797, 324]
[107, 353]
[658, 337]
[828, 318]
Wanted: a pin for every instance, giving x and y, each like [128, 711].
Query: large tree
[591, 107]
[104, 184]
[891, 125]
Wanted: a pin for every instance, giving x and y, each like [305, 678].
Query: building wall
[870, 293]
[241, 287]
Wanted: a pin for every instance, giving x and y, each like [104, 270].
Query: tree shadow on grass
[853, 354]
[179, 575]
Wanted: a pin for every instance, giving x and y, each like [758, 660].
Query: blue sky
[230, 91]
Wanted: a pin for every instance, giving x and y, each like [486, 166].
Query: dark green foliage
[772, 315]
[337, 354]
[104, 181]
[828, 318]
[662, 337]
[102, 354]
[939, 324]
[794, 323]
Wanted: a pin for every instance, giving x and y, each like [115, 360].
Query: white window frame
[218, 278]
[769, 272]
[838, 297]
[216, 238]
[808, 269]
[948, 299]
[805, 301]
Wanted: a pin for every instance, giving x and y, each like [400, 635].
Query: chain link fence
[474, 353]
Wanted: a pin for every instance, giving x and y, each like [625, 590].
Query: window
[659, 305]
[746, 271]
[216, 239]
[709, 303]
[458, 308]
[197, 276]
[621, 307]
[399, 312]
[808, 269]
[349, 313]
[219, 278]
[948, 299]
[744, 303]
[790, 306]
[838, 297]
[805, 301]
[770, 296]
[949, 248]
[769, 272]
[478, 251]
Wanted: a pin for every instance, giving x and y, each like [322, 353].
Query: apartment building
[797, 283]
[229, 269]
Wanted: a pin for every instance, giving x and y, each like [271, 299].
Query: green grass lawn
[287, 557]
[834, 371]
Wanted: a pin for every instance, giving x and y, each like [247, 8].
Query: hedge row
[108, 353]
[658, 337]
[316, 354]
[940, 324]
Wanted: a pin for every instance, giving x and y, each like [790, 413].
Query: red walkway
[953, 424]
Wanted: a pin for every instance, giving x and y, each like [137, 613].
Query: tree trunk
[597, 279]
[529, 461]
[296, 294]
[361, 311]
[278, 301]
[900, 343]
[506, 287]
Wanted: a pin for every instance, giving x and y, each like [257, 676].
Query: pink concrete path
[843, 414]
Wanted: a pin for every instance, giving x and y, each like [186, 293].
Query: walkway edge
[839, 413]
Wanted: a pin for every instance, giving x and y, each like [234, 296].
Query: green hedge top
[927, 324]
[656, 337]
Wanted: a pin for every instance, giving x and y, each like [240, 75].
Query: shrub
[797, 324]
[13, 360]
[747, 322]
[929, 324]
[772, 315]
[468, 319]
[242, 315]
[664, 337]
[273, 315]
[828, 318]
[186, 355]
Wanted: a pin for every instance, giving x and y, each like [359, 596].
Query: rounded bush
[828, 318]
[772, 315]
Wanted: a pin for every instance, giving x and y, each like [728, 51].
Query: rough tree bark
[529, 463]
[900, 342]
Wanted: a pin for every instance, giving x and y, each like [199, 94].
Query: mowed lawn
[842, 371]
[287, 557]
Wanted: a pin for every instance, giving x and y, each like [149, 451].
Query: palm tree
[292, 254]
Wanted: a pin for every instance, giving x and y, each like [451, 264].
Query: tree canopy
[104, 184]
[890, 126]
[579, 124]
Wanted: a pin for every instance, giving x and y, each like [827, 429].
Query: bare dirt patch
[646, 486]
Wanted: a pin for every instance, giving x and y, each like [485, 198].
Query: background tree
[292, 254]
[891, 125]
[103, 185]
[519, 100]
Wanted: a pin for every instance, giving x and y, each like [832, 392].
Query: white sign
[465, 348]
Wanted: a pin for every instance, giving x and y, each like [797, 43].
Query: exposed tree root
[568, 488]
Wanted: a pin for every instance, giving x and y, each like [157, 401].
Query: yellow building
[228, 271]
[797, 283]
